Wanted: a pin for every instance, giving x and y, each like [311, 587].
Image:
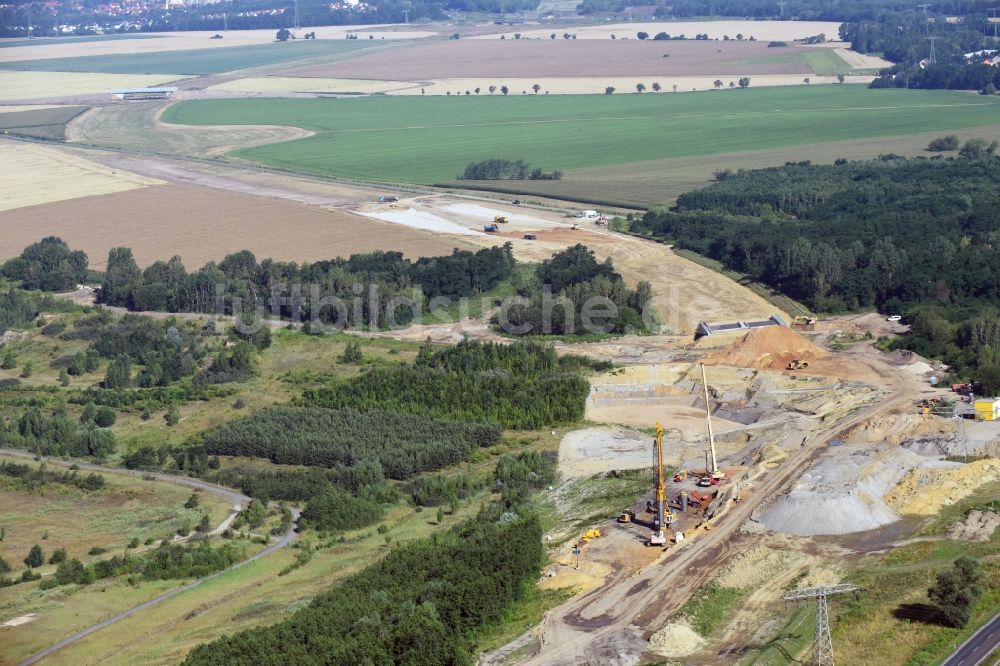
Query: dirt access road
[236, 497]
[610, 624]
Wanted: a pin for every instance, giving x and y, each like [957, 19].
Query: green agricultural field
[823, 62]
[430, 140]
[195, 62]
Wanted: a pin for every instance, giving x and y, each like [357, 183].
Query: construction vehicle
[575, 227]
[797, 364]
[658, 538]
[705, 482]
[680, 475]
[804, 322]
[626, 516]
[491, 228]
[387, 198]
[530, 237]
[590, 535]
[500, 219]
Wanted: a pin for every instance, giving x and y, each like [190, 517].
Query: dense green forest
[918, 237]
[573, 293]
[327, 290]
[523, 385]
[425, 603]
[402, 444]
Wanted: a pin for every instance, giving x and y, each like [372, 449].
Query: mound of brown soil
[768, 348]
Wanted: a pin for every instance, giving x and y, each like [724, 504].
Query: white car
[893, 318]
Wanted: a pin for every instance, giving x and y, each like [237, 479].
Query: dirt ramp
[769, 348]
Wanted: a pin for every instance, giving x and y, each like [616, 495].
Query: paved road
[235, 496]
[979, 646]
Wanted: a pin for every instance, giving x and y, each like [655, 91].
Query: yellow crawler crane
[658, 538]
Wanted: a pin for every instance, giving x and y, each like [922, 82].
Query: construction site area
[776, 462]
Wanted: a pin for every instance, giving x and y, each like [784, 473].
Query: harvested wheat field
[156, 42]
[761, 30]
[36, 175]
[542, 58]
[45, 85]
[202, 225]
[768, 348]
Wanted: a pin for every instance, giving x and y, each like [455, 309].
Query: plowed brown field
[539, 58]
[202, 224]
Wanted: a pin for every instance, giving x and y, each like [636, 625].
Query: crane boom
[661, 498]
[708, 417]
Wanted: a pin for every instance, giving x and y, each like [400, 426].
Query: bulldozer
[626, 516]
[797, 364]
[501, 219]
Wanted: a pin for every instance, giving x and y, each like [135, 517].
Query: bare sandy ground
[44, 85]
[761, 30]
[861, 60]
[183, 41]
[36, 175]
[556, 58]
[202, 224]
[596, 450]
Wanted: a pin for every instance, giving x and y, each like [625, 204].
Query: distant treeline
[248, 285]
[901, 235]
[950, 74]
[251, 15]
[495, 169]
[523, 385]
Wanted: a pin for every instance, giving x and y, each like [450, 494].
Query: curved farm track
[236, 497]
[137, 127]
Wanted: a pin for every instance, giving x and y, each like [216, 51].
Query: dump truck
[491, 228]
[387, 198]
[797, 364]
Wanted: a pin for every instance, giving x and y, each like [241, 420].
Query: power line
[927, 21]
[822, 642]
[933, 55]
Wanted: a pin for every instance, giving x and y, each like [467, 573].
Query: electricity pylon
[822, 643]
[933, 56]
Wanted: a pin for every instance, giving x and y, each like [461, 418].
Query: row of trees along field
[571, 279]
[913, 236]
[247, 284]
[425, 603]
[523, 385]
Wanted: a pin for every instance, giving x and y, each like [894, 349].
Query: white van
[588, 214]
